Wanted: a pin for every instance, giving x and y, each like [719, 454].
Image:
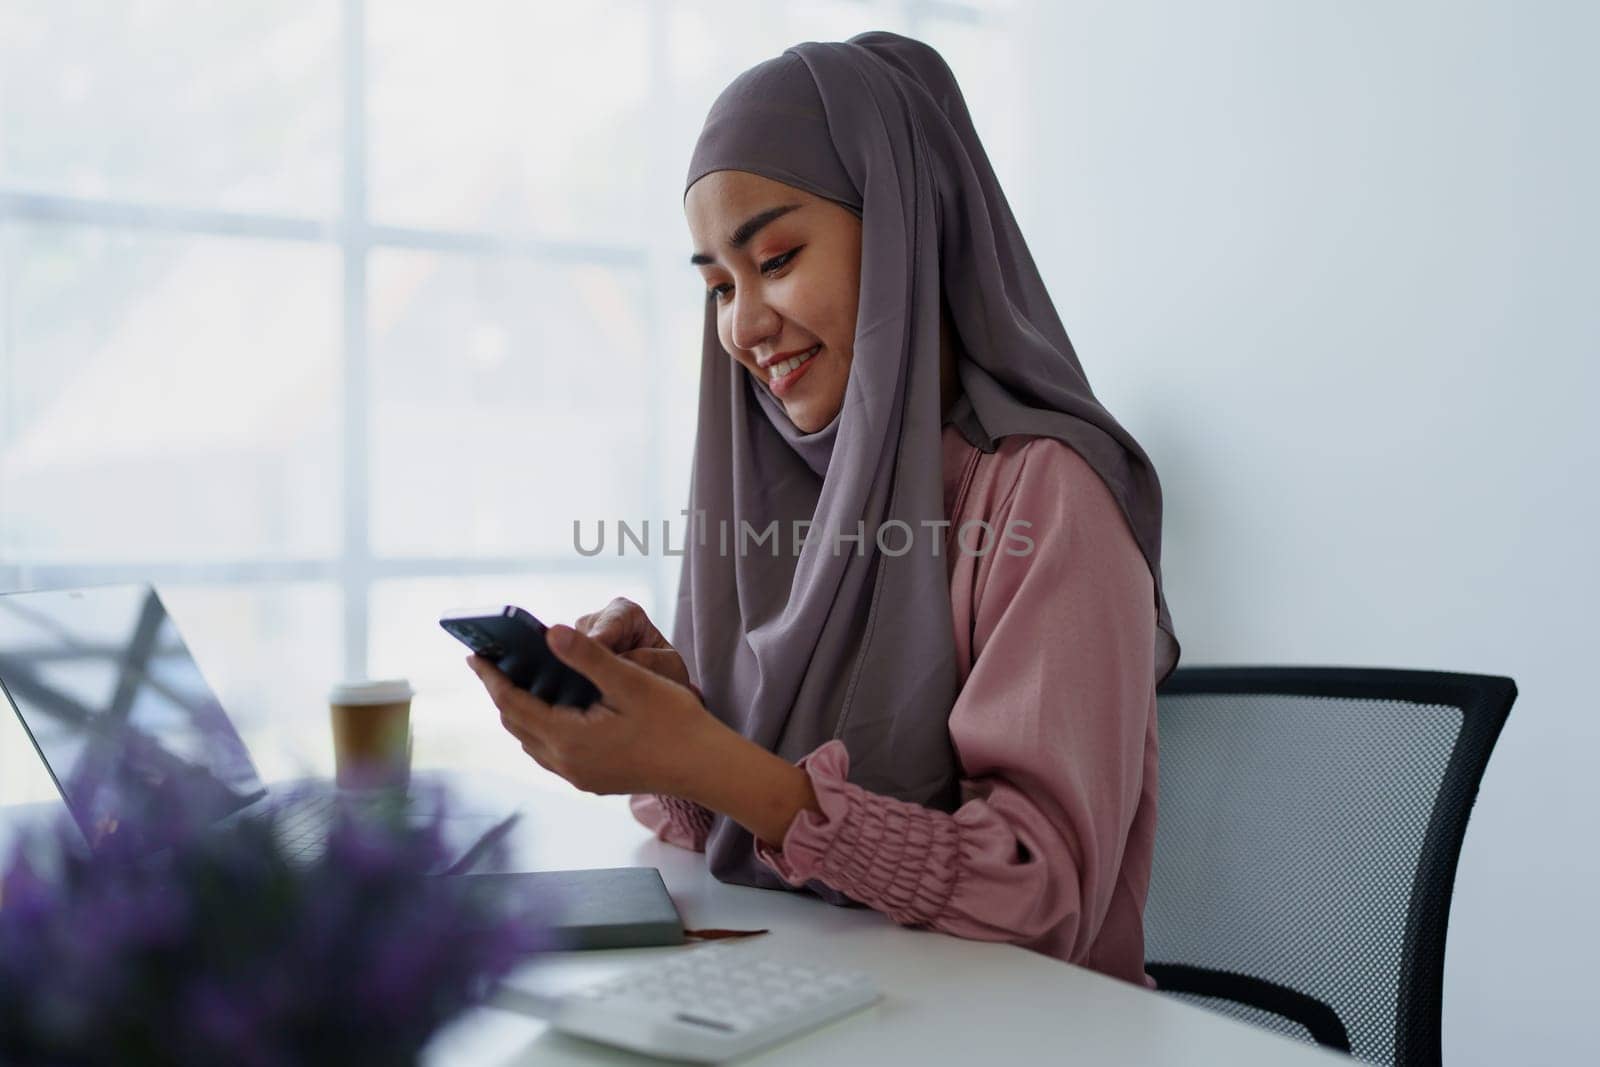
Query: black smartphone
[513, 640]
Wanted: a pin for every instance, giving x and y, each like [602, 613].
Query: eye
[776, 262]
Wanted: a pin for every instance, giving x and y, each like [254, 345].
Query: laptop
[114, 702]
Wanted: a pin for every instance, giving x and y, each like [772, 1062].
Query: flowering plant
[178, 941]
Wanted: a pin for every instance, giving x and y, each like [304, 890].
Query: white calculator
[708, 1004]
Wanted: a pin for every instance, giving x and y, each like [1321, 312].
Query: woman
[939, 700]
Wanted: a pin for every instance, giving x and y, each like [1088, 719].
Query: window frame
[355, 568]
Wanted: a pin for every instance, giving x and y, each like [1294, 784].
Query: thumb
[617, 678]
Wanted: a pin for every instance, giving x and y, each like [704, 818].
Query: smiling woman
[959, 737]
[785, 281]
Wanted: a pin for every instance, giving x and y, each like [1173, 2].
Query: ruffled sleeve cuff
[896, 857]
[673, 819]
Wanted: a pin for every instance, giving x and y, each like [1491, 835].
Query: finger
[624, 625]
[612, 626]
[501, 691]
[539, 756]
[542, 761]
[529, 711]
[520, 732]
[613, 609]
[662, 661]
[539, 747]
[619, 680]
[487, 673]
[534, 747]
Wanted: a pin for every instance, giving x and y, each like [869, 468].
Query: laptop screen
[116, 705]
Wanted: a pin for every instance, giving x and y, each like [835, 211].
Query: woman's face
[783, 268]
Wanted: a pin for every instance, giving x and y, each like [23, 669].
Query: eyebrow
[745, 231]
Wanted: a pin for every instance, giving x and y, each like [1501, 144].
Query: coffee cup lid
[382, 691]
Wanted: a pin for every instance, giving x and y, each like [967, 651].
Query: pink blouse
[1054, 727]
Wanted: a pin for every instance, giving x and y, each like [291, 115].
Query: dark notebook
[608, 907]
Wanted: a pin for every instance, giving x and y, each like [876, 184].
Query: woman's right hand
[624, 628]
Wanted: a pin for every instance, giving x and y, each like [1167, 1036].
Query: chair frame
[1485, 702]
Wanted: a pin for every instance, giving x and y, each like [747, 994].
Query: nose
[754, 320]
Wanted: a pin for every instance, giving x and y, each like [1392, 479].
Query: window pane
[829, 20]
[270, 652]
[228, 106]
[494, 114]
[166, 397]
[453, 722]
[710, 43]
[678, 405]
[510, 398]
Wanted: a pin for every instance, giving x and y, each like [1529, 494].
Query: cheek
[841, 319]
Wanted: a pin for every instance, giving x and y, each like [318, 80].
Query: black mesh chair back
[1309, 824]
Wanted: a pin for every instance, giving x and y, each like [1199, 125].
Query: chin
[809, 420]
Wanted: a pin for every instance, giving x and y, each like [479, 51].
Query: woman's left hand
[646, 733]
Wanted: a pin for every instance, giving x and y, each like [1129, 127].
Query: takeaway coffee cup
[371, 733]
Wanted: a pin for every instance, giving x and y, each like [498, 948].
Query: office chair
[1309, 822]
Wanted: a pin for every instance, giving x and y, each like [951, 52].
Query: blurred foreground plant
[176, 941]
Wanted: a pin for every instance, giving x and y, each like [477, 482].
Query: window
[326, 317]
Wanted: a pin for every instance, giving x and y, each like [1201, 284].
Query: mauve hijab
[856, 643]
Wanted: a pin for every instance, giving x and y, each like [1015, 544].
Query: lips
[783, 376]
[781, 369]
[772, 361]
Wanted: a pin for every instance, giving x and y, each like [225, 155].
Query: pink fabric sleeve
[674, 820]
[1053, 728]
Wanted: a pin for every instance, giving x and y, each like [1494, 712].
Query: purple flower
[220, 947]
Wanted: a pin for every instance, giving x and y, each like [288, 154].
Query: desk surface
[946, 999]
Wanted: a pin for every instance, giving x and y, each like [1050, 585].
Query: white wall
[1335, 265]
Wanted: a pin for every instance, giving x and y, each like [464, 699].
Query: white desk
[946, 1000]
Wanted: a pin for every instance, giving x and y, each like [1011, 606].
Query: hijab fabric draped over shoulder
[843, 639]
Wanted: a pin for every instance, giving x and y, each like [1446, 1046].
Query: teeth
[779, 371]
